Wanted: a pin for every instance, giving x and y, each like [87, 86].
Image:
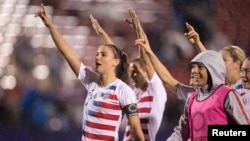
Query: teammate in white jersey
[150, 92]
[245, 89]
[108, 96]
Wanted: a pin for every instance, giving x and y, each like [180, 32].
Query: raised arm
[194, 38]
[61, 44]
[135, 22]
[168, 80]
[99, 30]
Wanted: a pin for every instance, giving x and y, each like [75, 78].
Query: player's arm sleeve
[130, 109]
[181, 131]
[235, 108]
[184, 91]
[128, 101]
[158, 92]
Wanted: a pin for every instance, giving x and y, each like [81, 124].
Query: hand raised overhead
[192, 35]
[98, 29]
[133, 21]
[142, 37]
[194, 38]
[44, 16]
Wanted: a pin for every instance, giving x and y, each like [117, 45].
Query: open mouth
[97, 64]
[245, 81]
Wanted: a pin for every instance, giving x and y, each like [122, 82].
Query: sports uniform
[245, 95]
[102, 111]
[151, 105]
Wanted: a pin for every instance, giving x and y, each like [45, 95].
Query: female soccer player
[108, 96]
[150, 92]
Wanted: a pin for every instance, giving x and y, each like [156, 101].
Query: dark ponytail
[121, 69]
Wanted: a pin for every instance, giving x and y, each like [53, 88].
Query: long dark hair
[122, 69]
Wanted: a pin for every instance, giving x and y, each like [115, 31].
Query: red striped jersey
[151, 105]
[102, 111]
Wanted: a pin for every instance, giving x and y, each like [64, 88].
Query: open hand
[98, 29]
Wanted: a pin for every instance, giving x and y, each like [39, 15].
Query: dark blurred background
[40, 97]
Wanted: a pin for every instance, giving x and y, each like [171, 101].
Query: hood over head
[215, 65]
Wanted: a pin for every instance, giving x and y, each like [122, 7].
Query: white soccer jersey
[245, 95]
[151, 105]
[102, 115]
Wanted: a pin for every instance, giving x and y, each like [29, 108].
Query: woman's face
[105, 60]
[137, 75]
[199, 75]
[245, 74]
[232, 68]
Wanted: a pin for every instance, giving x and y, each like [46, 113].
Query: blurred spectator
[196, 12]
[33, 106]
